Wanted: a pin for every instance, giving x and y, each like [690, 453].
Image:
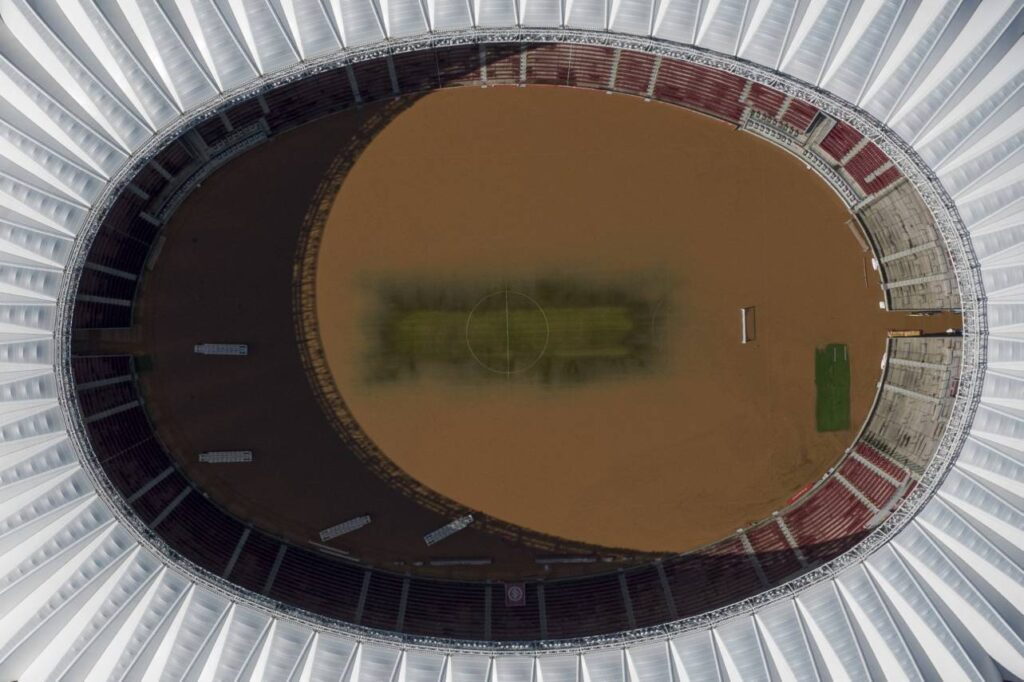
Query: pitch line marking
[507, 371]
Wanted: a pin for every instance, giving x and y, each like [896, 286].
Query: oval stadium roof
[86, 87]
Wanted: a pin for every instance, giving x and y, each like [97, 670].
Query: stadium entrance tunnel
[483, 301]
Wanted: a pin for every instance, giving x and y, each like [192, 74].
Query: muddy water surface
[481, 187]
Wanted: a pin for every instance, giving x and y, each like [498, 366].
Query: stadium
[511, 340]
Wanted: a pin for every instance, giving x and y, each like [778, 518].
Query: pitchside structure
[748, 325]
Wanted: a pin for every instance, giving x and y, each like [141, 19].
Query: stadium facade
[92, 93]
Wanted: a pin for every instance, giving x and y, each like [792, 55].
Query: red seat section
[766, 100]
[800, 115]
[591, 67]
[840, 140]
[873, 486]
[709, 90]
[634, 73]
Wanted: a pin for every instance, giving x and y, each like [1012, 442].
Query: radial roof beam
[860, 51]
[989, 112]
[186, 81]
[926, 25]
[401, 17]
[1000, 576]
[814, 40]
[999, 152]
[239, 19]
[314, 29]
[208, 654]
[120, 67]
[22, 601]
[741, 650]
[695, 659]
[785, 642]
[765, 33]
[337, 19]
[830, 631]
[189, 15]
[38, 206]
[961, 600]
[958, 66]
[87, 653]
[722, 25]
[285, 17]
[678, 20]
[935, 648]
[52, 532]
[119, 125]
[28, 156]
[871, 618]
[37, 109]
[52, 661]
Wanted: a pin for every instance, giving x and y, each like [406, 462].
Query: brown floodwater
[472, 189]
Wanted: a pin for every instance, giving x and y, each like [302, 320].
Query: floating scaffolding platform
[344, 527]
[447, 530]
[226, 456]
[221, 349]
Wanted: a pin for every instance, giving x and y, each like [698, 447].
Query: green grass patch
[832, 381]
[549, 331]
[505, 340]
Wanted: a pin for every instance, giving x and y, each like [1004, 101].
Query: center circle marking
[507, 332]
